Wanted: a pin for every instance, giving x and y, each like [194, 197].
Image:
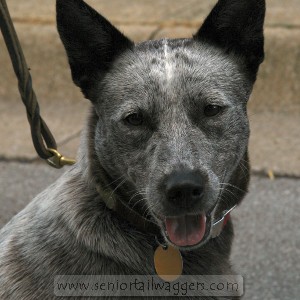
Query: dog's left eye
[134, 119]
[212, 110]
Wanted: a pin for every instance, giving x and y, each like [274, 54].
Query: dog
[163, 157]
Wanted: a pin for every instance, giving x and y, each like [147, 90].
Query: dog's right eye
[134, 119]
[212, 110]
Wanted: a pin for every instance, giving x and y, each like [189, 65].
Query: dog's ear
[237, 26]
[91, 42]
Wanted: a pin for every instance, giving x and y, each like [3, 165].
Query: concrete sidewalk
[274, 109]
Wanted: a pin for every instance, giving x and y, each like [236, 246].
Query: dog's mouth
[186, 230]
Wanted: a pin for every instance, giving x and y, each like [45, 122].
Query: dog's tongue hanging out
[186, 230]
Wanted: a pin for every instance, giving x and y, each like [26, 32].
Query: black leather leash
[43, 140]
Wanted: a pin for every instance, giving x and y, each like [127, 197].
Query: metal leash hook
[57, 160]
[43, 140]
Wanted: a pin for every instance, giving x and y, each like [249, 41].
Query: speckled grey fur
[67, 229]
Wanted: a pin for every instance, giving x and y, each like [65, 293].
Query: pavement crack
[19, 159]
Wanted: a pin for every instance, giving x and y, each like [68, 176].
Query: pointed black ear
[91, 42]
[237, 26]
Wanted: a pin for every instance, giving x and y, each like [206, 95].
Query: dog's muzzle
[206, 228]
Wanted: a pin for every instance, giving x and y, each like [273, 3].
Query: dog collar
[114, 203]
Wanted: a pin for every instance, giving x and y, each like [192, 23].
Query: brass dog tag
[168, 263]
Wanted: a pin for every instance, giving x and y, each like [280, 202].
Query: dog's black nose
[184, 189]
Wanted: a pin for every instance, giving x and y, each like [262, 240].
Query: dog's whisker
[233, 186]
[141, 192]
[111, 183]
[225, 200]
[118, 186]
[231, 193]
[245, 169]
[137, 202]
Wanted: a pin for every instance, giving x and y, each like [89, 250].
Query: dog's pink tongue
[186, 230]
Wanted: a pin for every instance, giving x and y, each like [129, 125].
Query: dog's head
[171, 114]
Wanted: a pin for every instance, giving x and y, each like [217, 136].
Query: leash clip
[57, 160]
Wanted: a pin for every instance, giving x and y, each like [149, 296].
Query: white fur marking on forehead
[168, 63]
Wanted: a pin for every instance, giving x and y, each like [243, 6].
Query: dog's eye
[134, 119]
[212, 110]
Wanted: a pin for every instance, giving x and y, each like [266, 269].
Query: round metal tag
[168, 263]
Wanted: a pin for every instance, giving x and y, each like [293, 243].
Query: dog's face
[172, 115]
